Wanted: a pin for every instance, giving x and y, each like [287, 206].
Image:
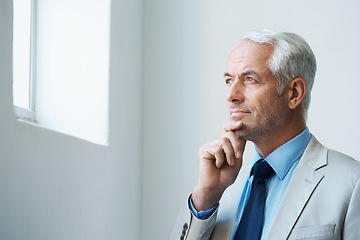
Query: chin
[247, 133]
[243, 133]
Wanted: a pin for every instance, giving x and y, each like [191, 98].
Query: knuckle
[236, 144]
[224, 139]
[218, 152]
[230, 134]
[202, 148]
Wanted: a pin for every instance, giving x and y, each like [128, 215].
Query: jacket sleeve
[189, 227]
[352, 220]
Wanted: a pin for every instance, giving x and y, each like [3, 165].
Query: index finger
[232, 126]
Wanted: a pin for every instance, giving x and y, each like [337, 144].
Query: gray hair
[292, 58]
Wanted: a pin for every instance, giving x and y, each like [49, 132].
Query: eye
[251, 80]
[229, 81]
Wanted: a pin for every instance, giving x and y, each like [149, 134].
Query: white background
[167, 98]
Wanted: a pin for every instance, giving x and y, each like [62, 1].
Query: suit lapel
[301, 186]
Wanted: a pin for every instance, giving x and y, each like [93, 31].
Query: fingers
[238, 145]
[218, 151]
[225, 153]
[219, 157]
[231, 127]
[227, 149]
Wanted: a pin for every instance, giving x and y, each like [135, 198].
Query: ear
[297, 91]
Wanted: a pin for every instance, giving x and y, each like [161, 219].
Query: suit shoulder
[343, 159]
[343, 165]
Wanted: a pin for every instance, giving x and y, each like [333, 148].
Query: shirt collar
[283, 158]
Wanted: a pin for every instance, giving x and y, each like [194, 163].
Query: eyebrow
[248, 72]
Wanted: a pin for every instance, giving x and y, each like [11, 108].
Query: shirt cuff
[202, 215]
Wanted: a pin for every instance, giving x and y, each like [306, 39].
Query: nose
[236, 92]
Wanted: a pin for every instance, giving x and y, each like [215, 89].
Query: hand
[219, 165]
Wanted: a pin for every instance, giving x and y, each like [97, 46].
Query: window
[72, 40]
[23, 59]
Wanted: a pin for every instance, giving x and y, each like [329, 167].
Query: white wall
[54, 186]
[167, 97]
[186, 48]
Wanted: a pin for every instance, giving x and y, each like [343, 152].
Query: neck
[279, 136]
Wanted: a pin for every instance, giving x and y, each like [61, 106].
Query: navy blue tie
[251, 222]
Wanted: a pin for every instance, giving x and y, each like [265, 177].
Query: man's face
[252, 97]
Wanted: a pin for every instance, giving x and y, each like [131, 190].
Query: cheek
[266, 101]
[267, 107]
[260, 104]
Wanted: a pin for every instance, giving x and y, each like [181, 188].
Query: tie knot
[262, 170]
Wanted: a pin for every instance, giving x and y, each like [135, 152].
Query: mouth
[237, 114]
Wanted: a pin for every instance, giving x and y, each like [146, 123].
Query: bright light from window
[72, 69]
[21, 53]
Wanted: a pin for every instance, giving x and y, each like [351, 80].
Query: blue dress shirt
[284, 161]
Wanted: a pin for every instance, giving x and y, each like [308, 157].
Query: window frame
[29, 113]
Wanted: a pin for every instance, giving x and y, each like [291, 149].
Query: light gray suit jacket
[322, 201]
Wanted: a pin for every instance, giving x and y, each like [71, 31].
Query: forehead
[249, 55]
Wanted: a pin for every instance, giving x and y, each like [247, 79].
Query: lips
[237, 114]
[237, 111]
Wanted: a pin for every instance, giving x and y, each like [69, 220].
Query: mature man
[294, 187]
